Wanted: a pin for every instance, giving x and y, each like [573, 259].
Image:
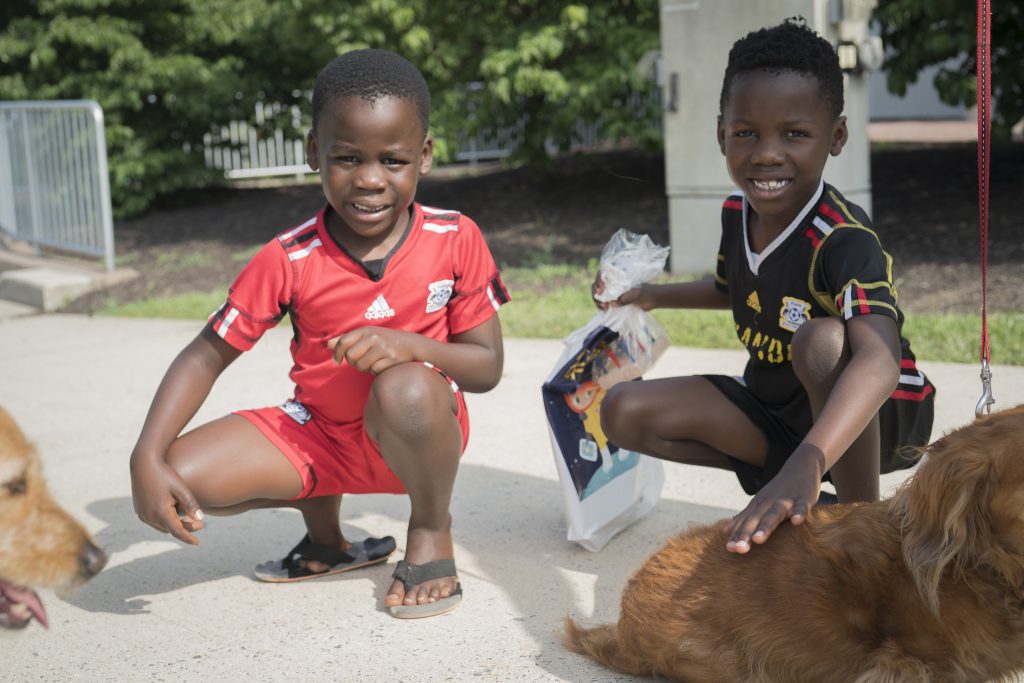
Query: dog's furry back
[926, 586]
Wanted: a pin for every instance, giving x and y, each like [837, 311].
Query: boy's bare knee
[820, 351]
[616, 413]
[183, 461]
[179, 459]
[410, 397]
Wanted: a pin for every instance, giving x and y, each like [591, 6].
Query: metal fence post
[55, 157]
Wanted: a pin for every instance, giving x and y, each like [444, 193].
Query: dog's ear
[943, 510]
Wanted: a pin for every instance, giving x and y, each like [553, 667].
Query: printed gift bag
[605, 487]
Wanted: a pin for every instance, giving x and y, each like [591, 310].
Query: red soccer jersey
[440, 281]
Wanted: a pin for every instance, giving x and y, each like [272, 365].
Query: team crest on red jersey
[440, 293]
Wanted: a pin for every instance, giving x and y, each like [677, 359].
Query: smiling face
[776, 132]
[370, 154]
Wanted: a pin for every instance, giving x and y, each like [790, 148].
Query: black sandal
[414, 574]
[360, 554]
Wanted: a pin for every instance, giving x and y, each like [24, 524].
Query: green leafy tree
[162, 70]
[922, 33]
[551, 64]
[543, 63]
[166, 71]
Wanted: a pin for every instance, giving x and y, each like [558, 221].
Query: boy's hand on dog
[163, 501]
[373, 349]
[790, 495]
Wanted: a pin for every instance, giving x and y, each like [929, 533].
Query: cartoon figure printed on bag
[573, 399]
[586, 402]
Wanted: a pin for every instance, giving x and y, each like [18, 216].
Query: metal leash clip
[986, 401]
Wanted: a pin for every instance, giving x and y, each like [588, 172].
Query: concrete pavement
[80, 388]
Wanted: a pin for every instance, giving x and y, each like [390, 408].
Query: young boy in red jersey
[393, 307]
[830, 387]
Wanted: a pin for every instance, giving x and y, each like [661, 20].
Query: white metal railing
[242, 151]
[54, 182]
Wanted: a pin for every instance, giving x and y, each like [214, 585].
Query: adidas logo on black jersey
[379, 309]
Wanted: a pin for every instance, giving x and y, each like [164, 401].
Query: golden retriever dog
[925, 586]
[41, 546]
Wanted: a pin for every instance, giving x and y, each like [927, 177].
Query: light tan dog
[925, 586]
[41, 546]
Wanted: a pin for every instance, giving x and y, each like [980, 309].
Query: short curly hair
[372, 75]
[791, 46]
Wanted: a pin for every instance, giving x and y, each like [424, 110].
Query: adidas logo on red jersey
[379, 309]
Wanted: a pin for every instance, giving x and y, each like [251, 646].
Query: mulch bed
[925, 211]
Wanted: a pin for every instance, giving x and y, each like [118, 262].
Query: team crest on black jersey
[440, 293]
[795, 312]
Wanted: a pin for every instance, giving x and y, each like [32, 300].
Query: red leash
[984, 78]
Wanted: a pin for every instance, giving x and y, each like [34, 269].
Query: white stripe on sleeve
[304, 252]
[441, 227]
[226, 323]
[291, 233]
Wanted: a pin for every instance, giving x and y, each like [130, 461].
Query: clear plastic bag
[640, 344]
[627, 261]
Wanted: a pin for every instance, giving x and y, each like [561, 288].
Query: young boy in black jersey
[831, 389]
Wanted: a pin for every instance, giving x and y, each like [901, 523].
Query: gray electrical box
[696, 36]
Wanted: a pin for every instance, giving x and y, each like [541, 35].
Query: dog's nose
[93, 560]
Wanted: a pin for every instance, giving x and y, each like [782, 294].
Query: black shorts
[905, 428]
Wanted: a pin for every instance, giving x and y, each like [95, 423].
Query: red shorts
[335, 458]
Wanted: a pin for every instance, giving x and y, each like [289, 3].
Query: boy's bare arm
[864, 385]
[474, 358]
[157, 491]
[695, 294]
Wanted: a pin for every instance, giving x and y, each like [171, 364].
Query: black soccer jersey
[828, 262]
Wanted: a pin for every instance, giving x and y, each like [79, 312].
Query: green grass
[551, 300]
[175, 258]
[246, 254]
[191, 306]
[957, 338]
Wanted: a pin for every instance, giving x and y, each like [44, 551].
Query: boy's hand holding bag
[606, 488]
